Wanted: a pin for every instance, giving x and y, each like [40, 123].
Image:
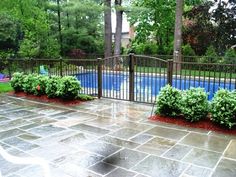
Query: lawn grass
[187, 72]
[5, 87]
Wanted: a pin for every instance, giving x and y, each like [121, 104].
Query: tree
[118, 34]
[224, 18]
[85, 30]
[153, 20]
[108, 28]
[211, 23]
[198, 29]
[9, 33]
[178, 31]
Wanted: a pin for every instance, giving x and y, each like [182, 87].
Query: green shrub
[39, 84]
[68, 87]
[28, 83]
[210, 56]
[194, 104]
[223, 108]
[188, 51]
[169, 101]
[230, 56]
[52, 86]
[17, 81]
[85, 97]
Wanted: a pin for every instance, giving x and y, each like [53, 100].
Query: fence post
[131, 77]
[9, 67]
[170, 71]
[61, 74]
[32, 65]
[99, 62]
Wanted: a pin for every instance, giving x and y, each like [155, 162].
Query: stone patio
[108, 138]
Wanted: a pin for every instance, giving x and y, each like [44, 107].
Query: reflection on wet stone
[21, 144]
[226, 168]
[202, 158]
[121, 172]
[29, 137]
[125, 133]
[205, 141]
[78, 139]
[141, 138]
[45, 130]
[177, 152]
[17, 114]
[74, 170]
[81, 158]
[102, 168]
[231, 151]
[29, 126]
[126, 158]
[90, 129]
[198, 171]
[12, 124]
[157, 146]
[119, 142]
[3, 119]
[160, 167]
[42, 120]
[101, 148]
[10, 133]
[167, 133]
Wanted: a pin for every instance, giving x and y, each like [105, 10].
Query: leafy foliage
[52, 86]
[68, 87]
[210, 56]
[17, 81]
[148, 48]
[29, 47]
[187, 50]
[169, 101]
[9, 31]
[153, 19]
[39, 85]
[230, 56]
[211, 23]
[28, 83]
[223, 108]
[194, 104]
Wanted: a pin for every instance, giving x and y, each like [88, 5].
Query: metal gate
[131, 77]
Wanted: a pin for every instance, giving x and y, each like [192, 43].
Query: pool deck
[108, 138]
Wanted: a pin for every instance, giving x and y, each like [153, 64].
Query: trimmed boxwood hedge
[194, 106]
[223, 108]
[169, 101]
[67, 87]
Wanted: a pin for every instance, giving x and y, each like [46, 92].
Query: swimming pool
[147, 86]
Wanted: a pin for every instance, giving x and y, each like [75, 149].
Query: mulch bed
[45, 99]
[205, 124]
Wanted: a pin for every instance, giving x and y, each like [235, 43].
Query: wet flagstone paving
[108, 138]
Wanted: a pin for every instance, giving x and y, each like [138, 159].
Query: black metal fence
[130, 77]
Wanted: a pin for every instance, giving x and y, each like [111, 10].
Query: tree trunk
[67, 18]
[108, 29]
[59, 24]
[118, 35]
[178, 33]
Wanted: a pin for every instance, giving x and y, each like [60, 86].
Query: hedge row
[66, 87]
[194, 106]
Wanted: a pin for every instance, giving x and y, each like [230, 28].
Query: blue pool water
[149, 86]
